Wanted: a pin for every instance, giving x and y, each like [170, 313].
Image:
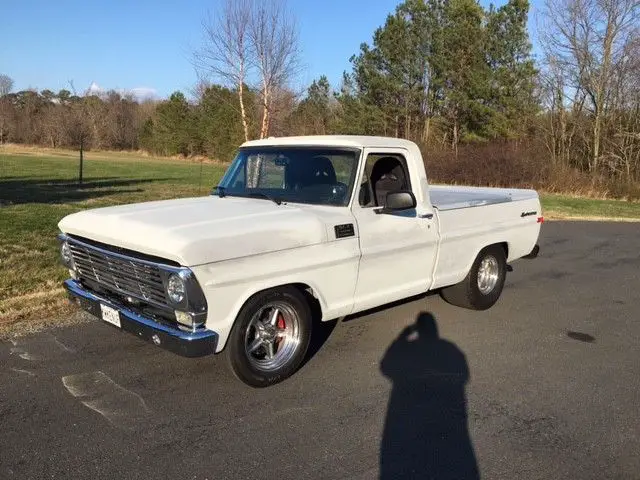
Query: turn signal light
[184, 318]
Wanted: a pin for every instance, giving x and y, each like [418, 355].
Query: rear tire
[270, 337]
[483, 285]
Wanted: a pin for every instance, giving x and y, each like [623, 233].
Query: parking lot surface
[546, 384]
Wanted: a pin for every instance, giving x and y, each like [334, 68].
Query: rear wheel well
[482, 286]
[503, 245]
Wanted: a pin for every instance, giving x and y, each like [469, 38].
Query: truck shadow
[16, 190]
[425, 433]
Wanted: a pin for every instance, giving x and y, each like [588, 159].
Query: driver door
[398, 249]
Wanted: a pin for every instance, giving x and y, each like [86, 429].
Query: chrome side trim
[472, 204]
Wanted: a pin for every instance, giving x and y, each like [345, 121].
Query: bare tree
[251, 42]
[6, 84]
[565, 108]
[6, 111]
[588, 40]
[78, 128]
[274, 41]
[226, 51]
[621, 139]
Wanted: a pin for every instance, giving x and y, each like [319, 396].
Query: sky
[145, 46]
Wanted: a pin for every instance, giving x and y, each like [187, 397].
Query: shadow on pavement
[425, 433]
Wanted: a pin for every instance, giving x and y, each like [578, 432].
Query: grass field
[36, 191]
[562, 206]
[38, 188]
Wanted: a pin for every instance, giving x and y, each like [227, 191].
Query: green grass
[36, 191]
[562, 206]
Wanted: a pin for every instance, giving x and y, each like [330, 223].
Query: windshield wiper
[275, 200]
[221, 192]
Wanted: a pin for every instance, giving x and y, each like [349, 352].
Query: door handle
[426, 215]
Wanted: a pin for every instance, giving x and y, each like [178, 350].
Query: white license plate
[110, 315]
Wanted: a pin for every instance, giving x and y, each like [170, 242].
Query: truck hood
[194, 231]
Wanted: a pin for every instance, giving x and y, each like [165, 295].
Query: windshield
[321, 176]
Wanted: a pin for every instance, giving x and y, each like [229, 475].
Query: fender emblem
[344, 230]
[527, 214]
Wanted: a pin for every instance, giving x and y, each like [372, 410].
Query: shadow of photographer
[425, 433]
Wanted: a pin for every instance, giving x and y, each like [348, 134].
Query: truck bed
[453, 197]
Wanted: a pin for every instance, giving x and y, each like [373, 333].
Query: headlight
[176, 289]
[65, 253]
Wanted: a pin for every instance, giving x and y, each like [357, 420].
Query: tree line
[449, 74]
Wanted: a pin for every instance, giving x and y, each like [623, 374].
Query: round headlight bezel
[176, 288]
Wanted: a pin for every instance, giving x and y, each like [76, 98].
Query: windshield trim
[357, 151]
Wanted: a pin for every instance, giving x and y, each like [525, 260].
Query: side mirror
[398, 201]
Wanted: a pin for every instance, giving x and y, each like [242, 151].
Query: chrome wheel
[488, 274]
[272, 336]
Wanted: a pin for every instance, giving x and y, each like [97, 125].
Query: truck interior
[382, 175]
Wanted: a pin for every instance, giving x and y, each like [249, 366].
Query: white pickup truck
[299, 230]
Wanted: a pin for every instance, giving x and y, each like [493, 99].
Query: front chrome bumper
[187, 344]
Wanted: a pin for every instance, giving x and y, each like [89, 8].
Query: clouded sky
[146, 45]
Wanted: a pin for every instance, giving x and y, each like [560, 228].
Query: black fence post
[81, 158]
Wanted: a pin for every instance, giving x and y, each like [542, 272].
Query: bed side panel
[466, 231]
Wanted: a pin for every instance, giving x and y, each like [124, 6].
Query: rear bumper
[187, 344]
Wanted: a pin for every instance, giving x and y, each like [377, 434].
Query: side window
[238, 180]
[383, 173]
[365, 196]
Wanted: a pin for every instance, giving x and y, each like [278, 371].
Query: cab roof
[357, 141]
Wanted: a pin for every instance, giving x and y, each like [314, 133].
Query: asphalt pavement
[545, 385]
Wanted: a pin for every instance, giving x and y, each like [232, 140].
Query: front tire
[483, 285]
[270, 337]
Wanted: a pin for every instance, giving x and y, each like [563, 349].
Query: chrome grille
[121, 275]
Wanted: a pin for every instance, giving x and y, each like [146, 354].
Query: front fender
[330, 270]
